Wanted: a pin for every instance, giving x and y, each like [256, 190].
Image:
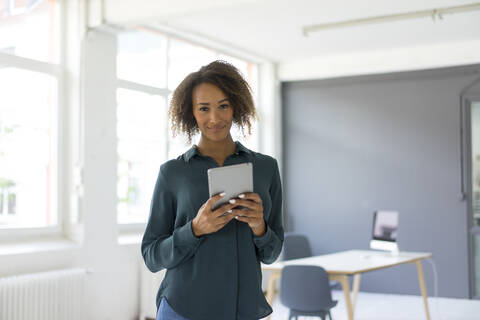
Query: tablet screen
[233, 180]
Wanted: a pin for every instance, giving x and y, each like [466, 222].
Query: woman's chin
[217, 137]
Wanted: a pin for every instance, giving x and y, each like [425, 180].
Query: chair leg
[290, 316]
[329, 315]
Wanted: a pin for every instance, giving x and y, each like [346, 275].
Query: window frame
[59, 178]
[468, 101]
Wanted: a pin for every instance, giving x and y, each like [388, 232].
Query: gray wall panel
[354, 146]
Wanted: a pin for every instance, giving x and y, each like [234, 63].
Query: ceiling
[271, 29]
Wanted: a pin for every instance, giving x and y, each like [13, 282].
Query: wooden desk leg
[343, 279]
[423, 290]
[274, 275]
[356, 288]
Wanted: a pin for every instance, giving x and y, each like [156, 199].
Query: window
[185, 58]
[150, 65]
[28, 113]
[141, 129]
[141, 58]
[27, 148]
[29, 28]
[8, 197]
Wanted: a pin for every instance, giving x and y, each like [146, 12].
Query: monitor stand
[390, 246]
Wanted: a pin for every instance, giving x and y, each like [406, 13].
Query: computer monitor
[385, 231]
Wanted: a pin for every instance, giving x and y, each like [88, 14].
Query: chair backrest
[305, 288]
[296, 246]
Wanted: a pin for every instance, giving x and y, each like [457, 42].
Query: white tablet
[233, 180]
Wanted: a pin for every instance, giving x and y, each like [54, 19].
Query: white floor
[374, 306]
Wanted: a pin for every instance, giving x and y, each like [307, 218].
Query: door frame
[466, 174]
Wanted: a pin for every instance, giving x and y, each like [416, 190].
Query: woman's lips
[216, 129]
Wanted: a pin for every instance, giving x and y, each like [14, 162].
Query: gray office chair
[305, 290]
[297, 246]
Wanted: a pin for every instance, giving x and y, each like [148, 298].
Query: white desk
[352, 263]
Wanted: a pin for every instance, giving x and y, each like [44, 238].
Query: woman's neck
[217, 149]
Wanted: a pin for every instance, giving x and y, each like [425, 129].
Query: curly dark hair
[228, 79]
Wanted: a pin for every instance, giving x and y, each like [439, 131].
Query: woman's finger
[247, 219]
[251, 196]
[247, 213]
[245, 203]
[226, 218]
[243, 219]
[210, 202]
[223, 209]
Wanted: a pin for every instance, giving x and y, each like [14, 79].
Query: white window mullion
[20, 234]
[29, 64]
[125, 84]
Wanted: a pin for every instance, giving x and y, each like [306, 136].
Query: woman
[212, 258]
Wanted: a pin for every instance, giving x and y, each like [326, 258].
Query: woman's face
[212, 111]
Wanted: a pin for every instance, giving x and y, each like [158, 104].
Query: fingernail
[229, 211]
[222, 194]
[241, 196]
[231, 201]
[236, 217]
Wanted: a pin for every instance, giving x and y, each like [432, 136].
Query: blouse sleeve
[270, 244]
[163, 245]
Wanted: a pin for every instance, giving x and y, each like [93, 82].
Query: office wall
[361, 144]
[387, 60]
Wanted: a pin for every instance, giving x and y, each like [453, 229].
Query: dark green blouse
[218, 275]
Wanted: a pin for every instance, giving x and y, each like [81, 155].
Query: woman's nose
[214, 116]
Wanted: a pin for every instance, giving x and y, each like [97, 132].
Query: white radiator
[53, 295]
[149, 284]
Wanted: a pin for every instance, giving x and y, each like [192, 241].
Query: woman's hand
[253, 215]
[208, 221]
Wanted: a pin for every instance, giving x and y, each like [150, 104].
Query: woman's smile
[216, 128]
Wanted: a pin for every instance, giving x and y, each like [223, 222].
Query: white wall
[383, 61]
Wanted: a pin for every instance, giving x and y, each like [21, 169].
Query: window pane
[141, 57]
[27, 148]
[30, 29]
[185, 58]
[141, 132]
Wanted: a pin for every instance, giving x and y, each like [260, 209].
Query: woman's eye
[224, 106]
[203, 109]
